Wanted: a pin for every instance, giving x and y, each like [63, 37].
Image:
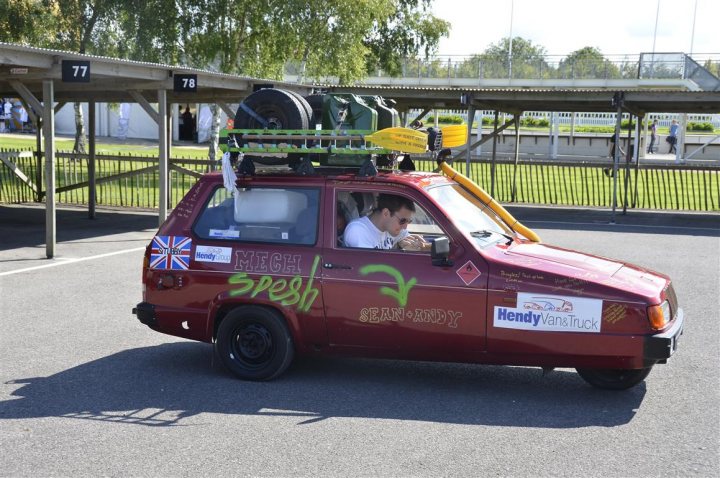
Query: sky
[562, 26]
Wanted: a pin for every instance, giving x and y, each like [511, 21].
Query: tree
[338, 38]
[528, 60]
[409, 30]
[713, 67]
[249, 37]
[74, 28]
[99, 27]
[20, 21]
[587, 62]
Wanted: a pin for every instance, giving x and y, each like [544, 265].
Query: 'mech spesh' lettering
[264, 262]
[286, 292]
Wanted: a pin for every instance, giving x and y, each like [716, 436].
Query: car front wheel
[613, 378]
[255, 343]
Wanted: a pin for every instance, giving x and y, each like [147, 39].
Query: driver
[385, 227]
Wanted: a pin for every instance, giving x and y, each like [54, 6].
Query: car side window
[261, 214]
[354, 204]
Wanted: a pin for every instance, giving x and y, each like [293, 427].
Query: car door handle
[330, 265]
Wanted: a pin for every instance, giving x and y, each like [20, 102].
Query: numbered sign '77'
[75, 71]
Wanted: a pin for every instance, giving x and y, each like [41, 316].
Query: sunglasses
[403, 220]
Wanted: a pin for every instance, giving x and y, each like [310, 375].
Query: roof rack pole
[38, 155]
[49, 130]
[470, 116]
[163, 156]
[91, 159]
[494, 151]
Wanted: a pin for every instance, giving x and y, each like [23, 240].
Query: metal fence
[131, 181]
[591, 184]
[121, 180]
[545, 67]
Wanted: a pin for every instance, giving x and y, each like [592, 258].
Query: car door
[397, 302]
[260, 245]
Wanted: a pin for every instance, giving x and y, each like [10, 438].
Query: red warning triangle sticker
[468, 272]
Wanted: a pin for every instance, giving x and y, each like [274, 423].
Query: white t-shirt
[362, 232]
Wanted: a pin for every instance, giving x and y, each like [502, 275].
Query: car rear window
[261, 214]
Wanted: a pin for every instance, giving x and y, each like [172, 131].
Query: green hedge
[544, 123]
[692, 126]
[527, 121]
[446, 119]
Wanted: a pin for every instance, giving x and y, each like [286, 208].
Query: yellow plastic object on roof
[514, 224]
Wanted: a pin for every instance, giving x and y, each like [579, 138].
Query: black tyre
[279, 108]
[305, 106]
[255, 343]
[613, 378]
[316, 105]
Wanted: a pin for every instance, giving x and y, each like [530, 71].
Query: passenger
[340, 223]
[385, 227]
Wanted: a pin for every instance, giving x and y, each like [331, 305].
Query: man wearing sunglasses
[385, 227]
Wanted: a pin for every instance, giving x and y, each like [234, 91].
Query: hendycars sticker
[213, 254]
[550, 313]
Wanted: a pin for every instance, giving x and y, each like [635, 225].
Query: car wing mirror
[440, 251]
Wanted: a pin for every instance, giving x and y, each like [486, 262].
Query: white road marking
[63, 262]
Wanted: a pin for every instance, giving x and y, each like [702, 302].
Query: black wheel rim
[252, 345]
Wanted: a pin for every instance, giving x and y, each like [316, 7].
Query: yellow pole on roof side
[514, 224]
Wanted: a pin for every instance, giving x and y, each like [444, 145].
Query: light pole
[692, 35]
[657, 15]
[512, 7]
[652, 57]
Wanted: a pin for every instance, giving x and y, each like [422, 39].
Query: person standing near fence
[672, 138]
[653, 136]
[7, 112]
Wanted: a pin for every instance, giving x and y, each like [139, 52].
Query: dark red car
[264, 273]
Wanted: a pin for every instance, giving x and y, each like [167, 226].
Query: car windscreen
[470, 214]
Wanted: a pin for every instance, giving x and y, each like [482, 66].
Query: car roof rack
[347, 150]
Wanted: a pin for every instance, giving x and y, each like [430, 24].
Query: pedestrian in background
[653, 136]
[672, 138]
[7, 113]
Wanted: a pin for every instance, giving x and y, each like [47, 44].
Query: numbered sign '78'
[183, 83]
[75, 71]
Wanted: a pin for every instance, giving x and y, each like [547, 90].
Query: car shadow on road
[162, 385]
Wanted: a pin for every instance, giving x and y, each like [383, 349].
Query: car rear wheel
[255, 343]
[613, 378]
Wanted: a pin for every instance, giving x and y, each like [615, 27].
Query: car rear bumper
[659, 348]
[145, 313]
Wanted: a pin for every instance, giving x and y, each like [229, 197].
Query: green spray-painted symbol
[403, 288]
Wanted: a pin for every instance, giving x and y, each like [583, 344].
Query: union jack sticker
[170, 252]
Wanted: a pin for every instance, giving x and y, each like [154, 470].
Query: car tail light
[659, 315]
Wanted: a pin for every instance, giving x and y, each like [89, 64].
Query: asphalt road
[86, 390]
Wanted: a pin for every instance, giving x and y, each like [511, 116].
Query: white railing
[581, 119]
